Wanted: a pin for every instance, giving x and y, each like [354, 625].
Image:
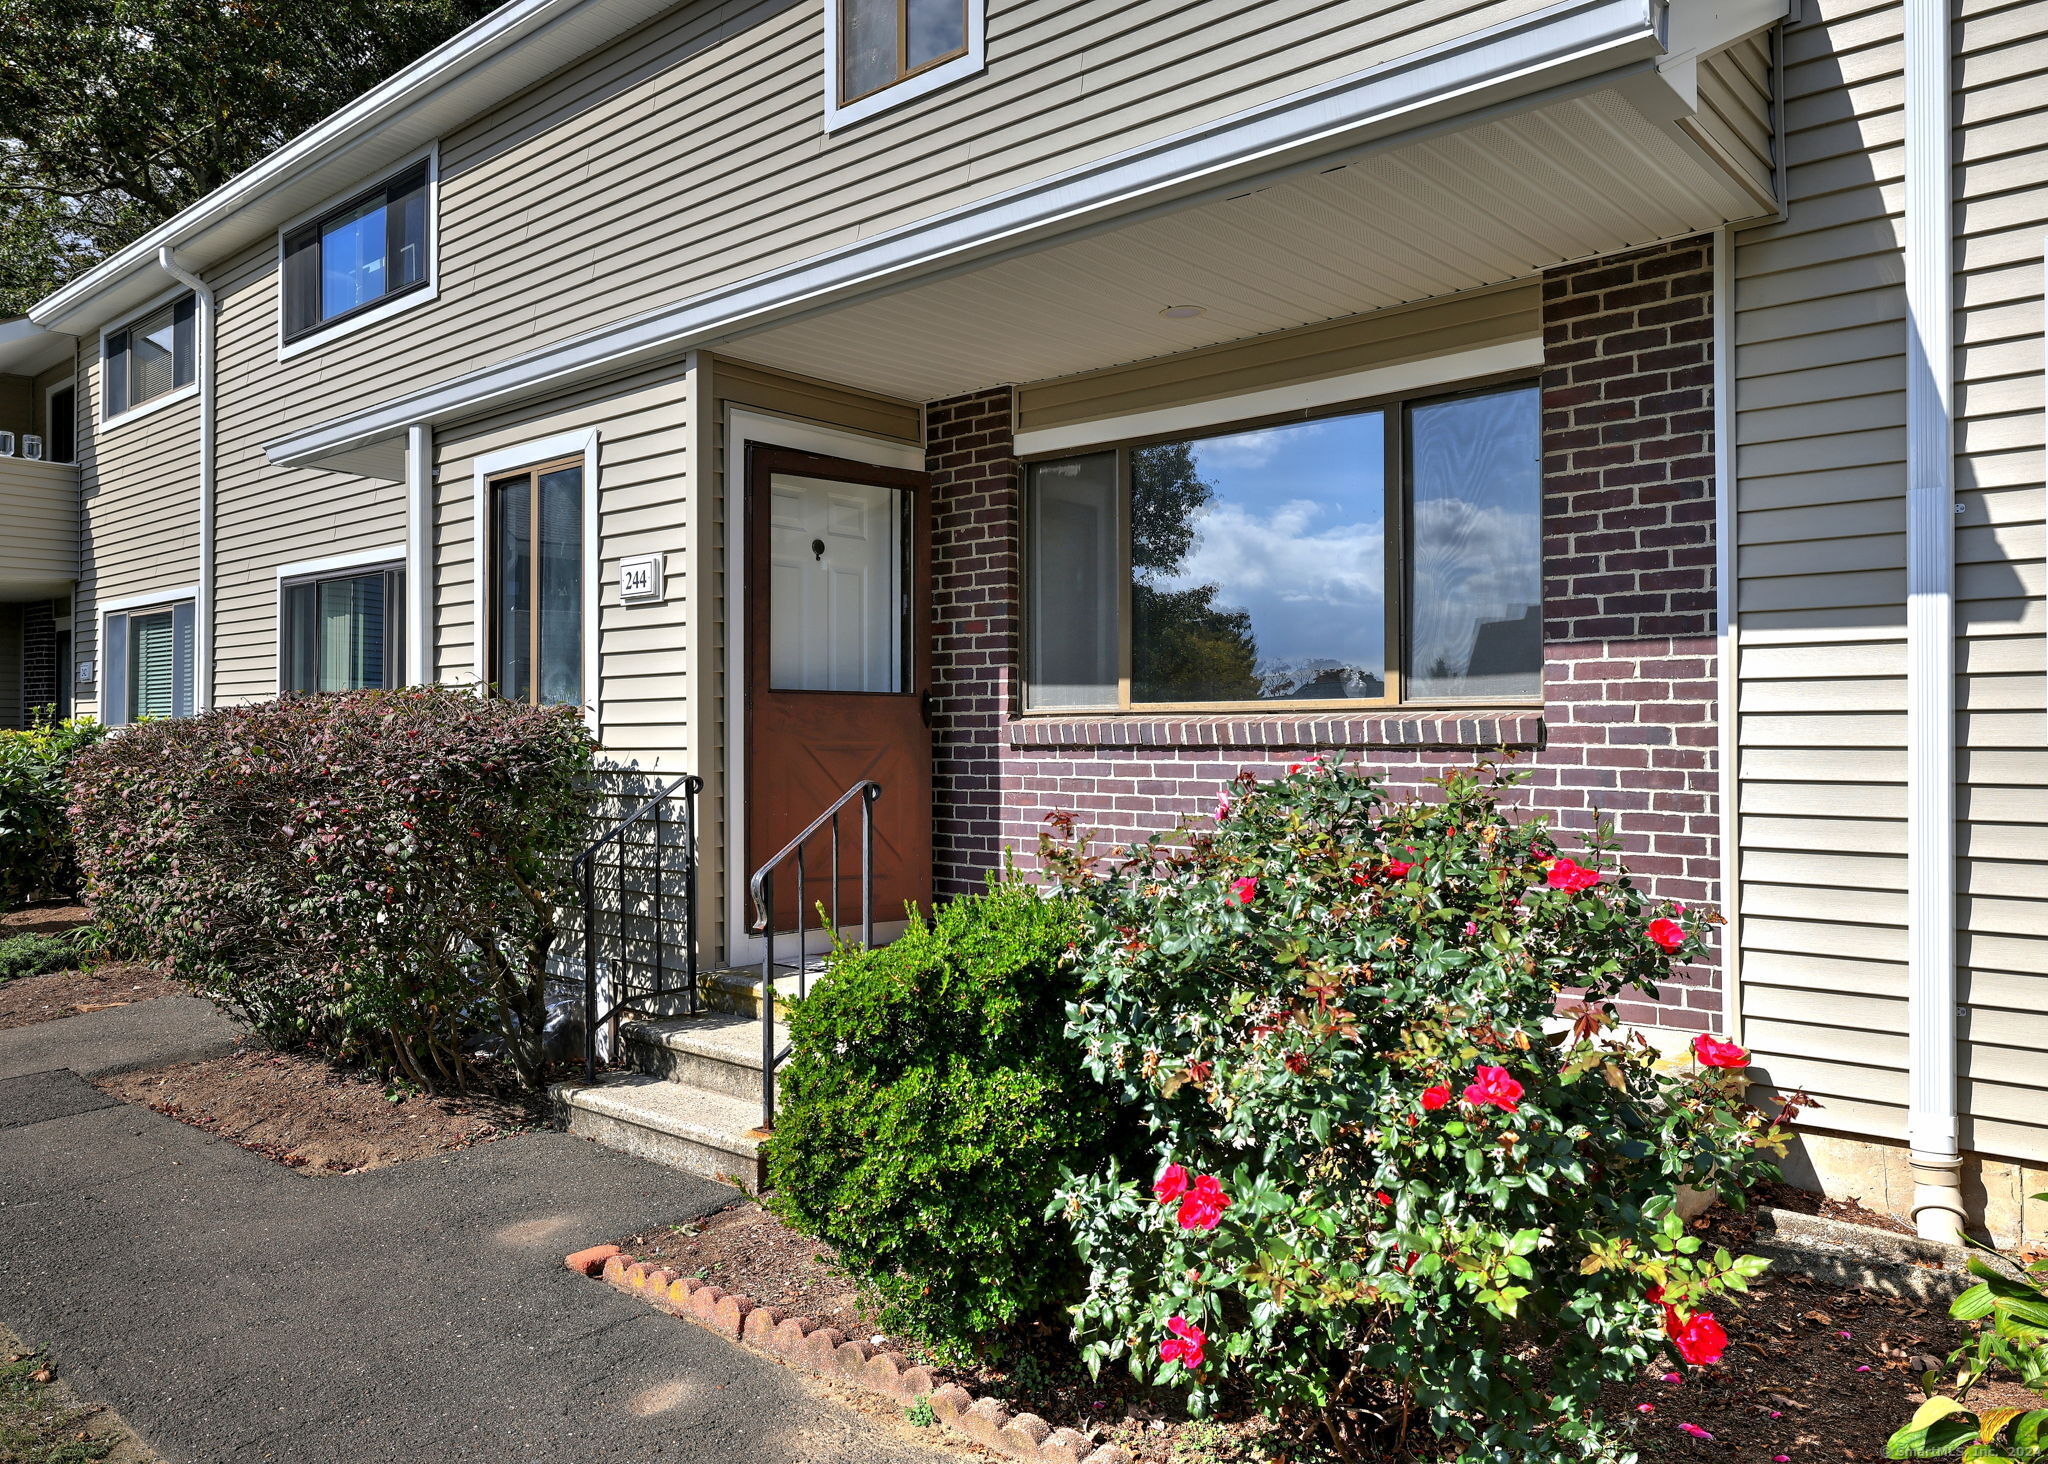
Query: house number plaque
[641, 580]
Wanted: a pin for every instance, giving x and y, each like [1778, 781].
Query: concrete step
[719, 1051]
[684, 1127]
[738, 990]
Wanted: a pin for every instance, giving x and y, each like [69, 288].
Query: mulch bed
[30, 999]
[47, 918]
[1813, 1373]
[303, 1112]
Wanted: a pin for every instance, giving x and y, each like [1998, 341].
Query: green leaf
[1974, 1304]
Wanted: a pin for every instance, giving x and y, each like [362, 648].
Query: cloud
[1249, 451]
[1286, 555]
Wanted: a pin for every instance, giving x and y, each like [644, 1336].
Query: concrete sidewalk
[235, 1310]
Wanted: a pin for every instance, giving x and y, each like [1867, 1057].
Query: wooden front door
[838, 664]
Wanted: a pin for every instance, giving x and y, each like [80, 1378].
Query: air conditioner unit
[6, 444]
[31, 445]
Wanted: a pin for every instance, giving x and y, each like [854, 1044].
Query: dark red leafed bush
[375, 872]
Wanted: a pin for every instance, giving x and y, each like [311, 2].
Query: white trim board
[1563, 48]
[484, 467]
[744, 427]
[1396, 378]
[152, 597]
[336, 563]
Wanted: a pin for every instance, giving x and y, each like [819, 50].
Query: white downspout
[202, 615]
[1726, 646]
[1930, 628]
[419, 553]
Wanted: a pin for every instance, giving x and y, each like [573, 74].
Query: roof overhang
[1609, 50]
[510, 49]
[26, 349]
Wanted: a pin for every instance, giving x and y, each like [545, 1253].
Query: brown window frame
[495, 631]
[1398, 567]
[904, 70]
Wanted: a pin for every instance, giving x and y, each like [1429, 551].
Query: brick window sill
[1476, 729]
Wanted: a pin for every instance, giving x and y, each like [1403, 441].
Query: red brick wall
[1626, 732]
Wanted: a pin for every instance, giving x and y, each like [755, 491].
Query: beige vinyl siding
[139, 492]
[692, 154]
[268, 516]
[644, 477]
[1382, 338]
[1734, 118]
[1820, 560]
[17, 405]
[38, 521]
[2002, 795]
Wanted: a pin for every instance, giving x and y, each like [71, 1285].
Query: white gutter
[202, 618]
[1561, 49]
[1930, 628]
[419, 551]
[1727, 646]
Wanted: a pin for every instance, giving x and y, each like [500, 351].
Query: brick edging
[802, 1343]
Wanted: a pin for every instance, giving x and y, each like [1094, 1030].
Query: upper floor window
[358, 255]
[1382, 556]
[881, 52]
[151, 357]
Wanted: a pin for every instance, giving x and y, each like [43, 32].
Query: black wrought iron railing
[824, 829]
[638, 885]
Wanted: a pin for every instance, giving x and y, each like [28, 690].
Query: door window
[835, 594]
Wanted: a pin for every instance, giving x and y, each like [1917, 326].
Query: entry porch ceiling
[1584, 175]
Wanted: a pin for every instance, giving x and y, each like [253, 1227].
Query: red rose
[1296, 767]
[1242, 890]
[1185, 1345]
[1435, 1096]
[1384, 1198]
[1565, 875]
[1699, 1338]
[1171, 1184]
[1202, 1206]
[1713, 1052]
[1398, 868]
[1667, 934]
[1495, 1086]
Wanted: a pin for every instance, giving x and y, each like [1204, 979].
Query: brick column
[975, 528]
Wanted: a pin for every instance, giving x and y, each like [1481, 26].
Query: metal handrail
[762, 887]
[585, 867]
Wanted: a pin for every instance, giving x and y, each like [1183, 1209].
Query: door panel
[838, 635]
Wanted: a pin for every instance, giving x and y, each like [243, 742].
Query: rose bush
[1395, 1194]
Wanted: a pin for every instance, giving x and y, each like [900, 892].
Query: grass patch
[36, 1425]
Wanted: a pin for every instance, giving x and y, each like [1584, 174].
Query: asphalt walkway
[235, 1310]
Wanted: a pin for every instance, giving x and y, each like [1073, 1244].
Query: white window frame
[334, 566]
[844, 114]
[580, 441]
[147, 603]
[200, 347]
[50, 420]
[411, 299]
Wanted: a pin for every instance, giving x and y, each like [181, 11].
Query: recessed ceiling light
[1182, 312]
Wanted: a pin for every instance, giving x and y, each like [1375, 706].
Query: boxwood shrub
[37, 860]
[927, 1109]
[372, 872]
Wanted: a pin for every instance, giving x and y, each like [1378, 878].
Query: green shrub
[37, 860]
[35, 955]
[2010, 1309]
[373, 872]
[1390, 1186]
[928, 1106]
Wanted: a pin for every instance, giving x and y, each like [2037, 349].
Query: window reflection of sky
[1295, 535]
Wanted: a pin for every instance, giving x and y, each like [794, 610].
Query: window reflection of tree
[1184, 647]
